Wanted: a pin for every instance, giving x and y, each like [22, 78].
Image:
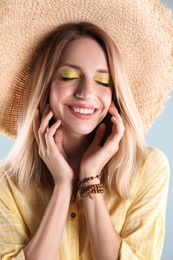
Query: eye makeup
[102, 78]
[69, 73]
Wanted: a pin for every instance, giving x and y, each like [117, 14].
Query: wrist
[85, 180]
[83, 173]
[90, 185]
[63, 188]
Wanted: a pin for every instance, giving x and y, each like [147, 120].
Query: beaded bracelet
[86, 191]
[84, 180]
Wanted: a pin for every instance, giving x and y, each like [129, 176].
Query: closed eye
[102, 79]
[68, 79]
[103, 83]
[68, 74]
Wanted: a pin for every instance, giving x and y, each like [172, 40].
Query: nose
[85, 90]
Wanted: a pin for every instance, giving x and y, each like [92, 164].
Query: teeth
[82, 110]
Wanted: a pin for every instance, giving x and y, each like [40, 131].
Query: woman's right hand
[50, 148]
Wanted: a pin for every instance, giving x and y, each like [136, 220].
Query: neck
[75, 147]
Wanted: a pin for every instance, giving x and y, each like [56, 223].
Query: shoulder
[7, 187]
[13, 199]
[4, 180]
[157, 153]
[156, 159]
[7, 191]
[155, 170]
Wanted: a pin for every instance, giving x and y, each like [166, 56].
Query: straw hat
[141, 29]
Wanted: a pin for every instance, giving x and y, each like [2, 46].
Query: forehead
[84, 51]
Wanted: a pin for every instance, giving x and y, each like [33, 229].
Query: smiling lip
[82, 111]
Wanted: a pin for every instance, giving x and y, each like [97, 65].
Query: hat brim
[142, 31]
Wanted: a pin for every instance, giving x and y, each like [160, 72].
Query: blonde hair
[24, 164]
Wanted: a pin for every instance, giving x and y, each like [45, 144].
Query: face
[80, 93]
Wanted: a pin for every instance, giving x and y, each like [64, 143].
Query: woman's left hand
[96, 156]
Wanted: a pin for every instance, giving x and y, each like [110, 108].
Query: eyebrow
[79, 68]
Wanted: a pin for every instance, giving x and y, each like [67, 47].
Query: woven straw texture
[141, 29]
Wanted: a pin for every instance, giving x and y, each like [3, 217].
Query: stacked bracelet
[87, 190]
[80, 183]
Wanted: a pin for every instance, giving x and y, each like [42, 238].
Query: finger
[46, 110]
[116, 119]
[52, 132]
[36, 125]
[44, 125]
[99, 135]
[45, 122]
[118, 125]
[58, 137]
[112, 142]
[54, 137]
[113, 110]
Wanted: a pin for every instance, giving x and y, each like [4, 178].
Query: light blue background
[161, 136]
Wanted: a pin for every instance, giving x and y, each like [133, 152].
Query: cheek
[54, 100]
[60, 90]
[56, 91]
[106, 97]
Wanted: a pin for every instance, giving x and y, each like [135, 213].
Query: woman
[80, 182]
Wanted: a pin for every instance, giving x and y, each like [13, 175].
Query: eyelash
[103, 84]
[100, 83]
[67, 79]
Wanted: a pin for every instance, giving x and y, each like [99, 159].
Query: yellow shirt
[139, 221]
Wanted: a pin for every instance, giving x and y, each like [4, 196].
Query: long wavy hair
[23, 162]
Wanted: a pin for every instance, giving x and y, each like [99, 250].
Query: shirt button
[73, 215]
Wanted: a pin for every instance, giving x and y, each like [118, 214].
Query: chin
[82, 131]
[79, 130]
